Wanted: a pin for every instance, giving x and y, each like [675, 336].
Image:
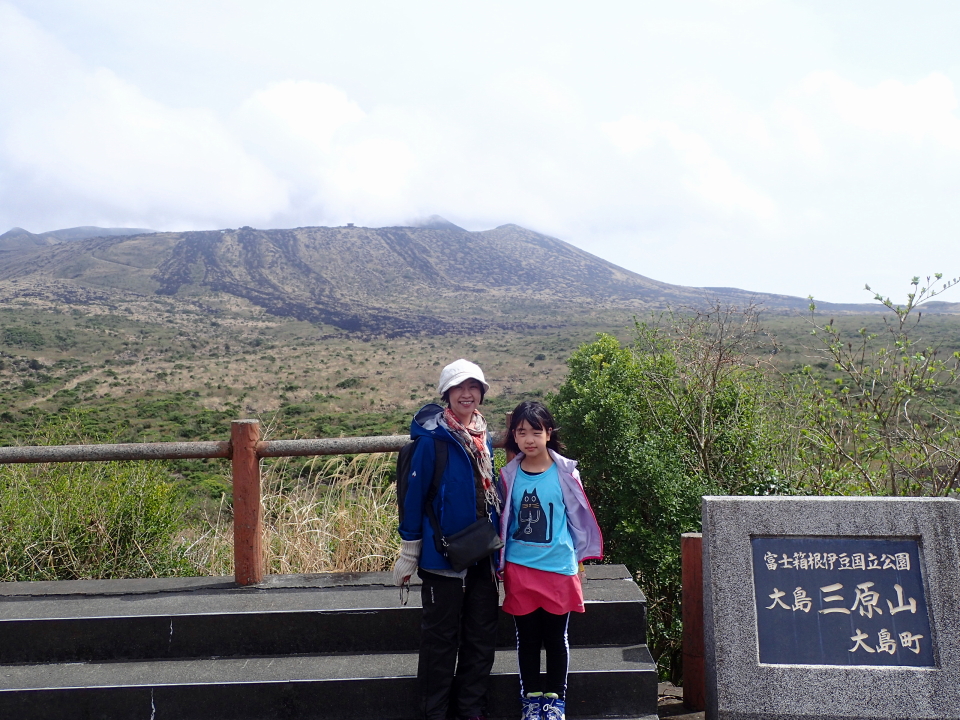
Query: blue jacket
[455, 504]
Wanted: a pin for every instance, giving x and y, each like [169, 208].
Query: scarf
[474, 440]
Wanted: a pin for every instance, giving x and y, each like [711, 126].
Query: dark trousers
[541, 629]
[458, 637]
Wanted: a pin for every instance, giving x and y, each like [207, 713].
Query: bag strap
[439, 465]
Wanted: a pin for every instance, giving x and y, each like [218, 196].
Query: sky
[803, 148]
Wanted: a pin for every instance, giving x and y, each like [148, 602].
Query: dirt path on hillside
[70, 385]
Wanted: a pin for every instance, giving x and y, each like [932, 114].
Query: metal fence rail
[244, 450]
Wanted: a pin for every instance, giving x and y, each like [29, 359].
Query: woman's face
[531, 441]
[464, 399]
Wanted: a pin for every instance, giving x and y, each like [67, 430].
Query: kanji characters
[801, 601]
[859, 638]
[911, 606]
[911, 641]
[775, 596]
[867, 600]
[887, 643]
[833, 598]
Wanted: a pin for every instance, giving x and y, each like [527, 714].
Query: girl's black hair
[539, 417]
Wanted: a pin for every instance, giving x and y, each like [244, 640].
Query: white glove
[407, 563]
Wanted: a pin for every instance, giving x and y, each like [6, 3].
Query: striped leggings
[536, 630]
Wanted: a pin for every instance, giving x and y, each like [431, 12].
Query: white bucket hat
[458, 371]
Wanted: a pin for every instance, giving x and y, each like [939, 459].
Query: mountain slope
[436, 278]
[18, 240]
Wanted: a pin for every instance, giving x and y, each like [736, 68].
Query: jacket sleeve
[508, 474]
[502, 521]
[418, 484]
[582, 522]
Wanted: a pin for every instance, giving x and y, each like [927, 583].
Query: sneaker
[531, 706]
[553, 708]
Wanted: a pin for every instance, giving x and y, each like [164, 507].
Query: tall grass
[336, 515]
[68, 521]
[71, 521]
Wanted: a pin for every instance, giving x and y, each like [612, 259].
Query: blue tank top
[538, 536]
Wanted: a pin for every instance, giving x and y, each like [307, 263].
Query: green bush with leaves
[682, 412]
[71, 521]
[23, 337]
[879, 424]
[693, 407]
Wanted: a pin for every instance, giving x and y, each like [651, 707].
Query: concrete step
[83, 621]
[610, 682]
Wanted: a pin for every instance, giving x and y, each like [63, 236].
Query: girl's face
[464, 399]
[531, 441]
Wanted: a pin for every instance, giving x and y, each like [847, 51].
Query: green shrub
[679, 414]
[23, 337]
[70, 521]
[884, 422]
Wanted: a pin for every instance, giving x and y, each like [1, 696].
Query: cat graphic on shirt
[534, 526]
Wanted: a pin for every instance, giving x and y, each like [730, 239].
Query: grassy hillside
[152, 368]
[142, 368]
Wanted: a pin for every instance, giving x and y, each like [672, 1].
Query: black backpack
[405, 458]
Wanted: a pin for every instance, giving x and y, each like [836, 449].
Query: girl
[548, 528]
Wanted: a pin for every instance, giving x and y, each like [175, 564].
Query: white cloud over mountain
[762, 145]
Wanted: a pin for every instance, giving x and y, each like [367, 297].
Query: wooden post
[247, 513]
[510, 453]
[691, 603]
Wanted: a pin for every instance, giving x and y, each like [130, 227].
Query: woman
[459, 626]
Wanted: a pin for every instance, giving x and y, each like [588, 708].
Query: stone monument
[831, 608]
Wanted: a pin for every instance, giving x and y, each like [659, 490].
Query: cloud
[76, 135]
[341, 162]
[706, 175]
[770, 146]
[924, 110]
[310, 112]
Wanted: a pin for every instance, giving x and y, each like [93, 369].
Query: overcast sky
[792, 147]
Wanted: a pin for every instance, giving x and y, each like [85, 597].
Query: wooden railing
[244, 450]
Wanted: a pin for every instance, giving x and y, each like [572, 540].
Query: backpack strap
[439, 465]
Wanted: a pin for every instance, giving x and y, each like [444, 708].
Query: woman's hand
[407, 563]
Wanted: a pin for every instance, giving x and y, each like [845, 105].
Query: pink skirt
[527, 589]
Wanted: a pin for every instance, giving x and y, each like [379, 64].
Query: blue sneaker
[553, 708]
[531, 706]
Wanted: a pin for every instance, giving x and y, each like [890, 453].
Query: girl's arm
[587, 538]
